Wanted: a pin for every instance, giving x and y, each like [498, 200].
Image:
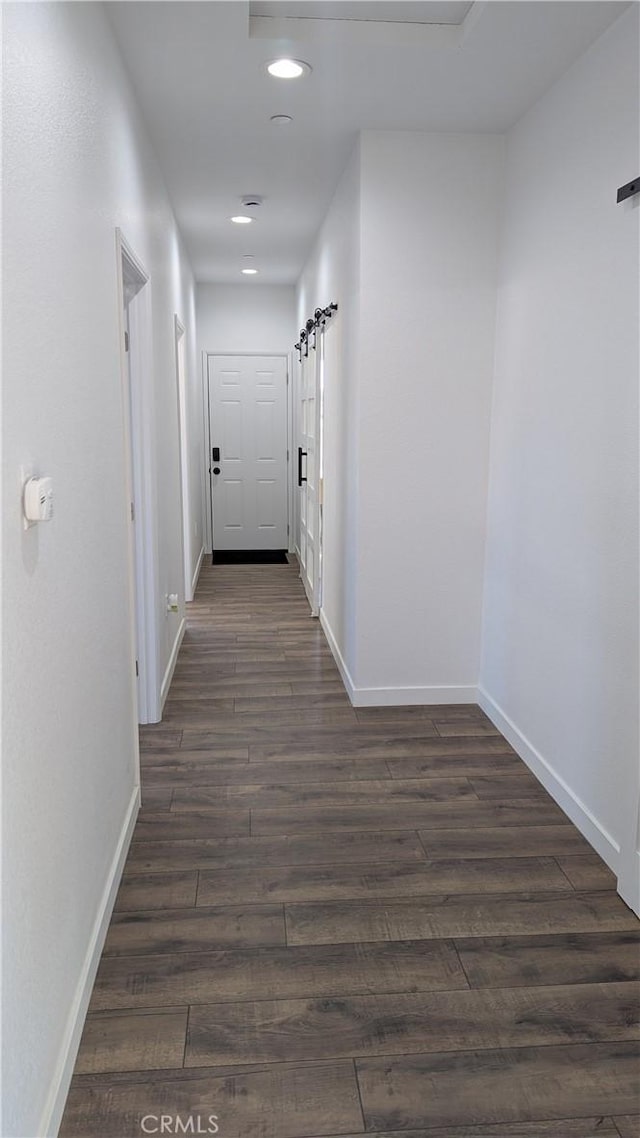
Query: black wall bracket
[629, 190]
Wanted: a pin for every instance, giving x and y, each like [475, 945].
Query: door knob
[216, 470]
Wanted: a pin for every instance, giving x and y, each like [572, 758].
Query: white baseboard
[393, 697]
[629, 880]
[337, 655]
[423, 696]
[170, 669]
[196, 575]
[54, 1109]
[559, 790]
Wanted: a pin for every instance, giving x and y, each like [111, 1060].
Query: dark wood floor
[336, 921]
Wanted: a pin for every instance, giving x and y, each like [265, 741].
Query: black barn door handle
[301, 452]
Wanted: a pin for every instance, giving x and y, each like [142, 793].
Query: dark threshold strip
[249, 557]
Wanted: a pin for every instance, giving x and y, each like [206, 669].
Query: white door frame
[207, 536]
[320, 384]
[207, 435]
[134, 309]
[313, 588]
[295, 436]
[292, 519]
[183, 443]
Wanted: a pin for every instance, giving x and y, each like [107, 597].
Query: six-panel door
[248, 423]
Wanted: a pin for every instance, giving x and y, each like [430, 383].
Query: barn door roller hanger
[318, 320]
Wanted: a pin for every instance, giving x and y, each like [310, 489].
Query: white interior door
[308, 460]
[248, 451]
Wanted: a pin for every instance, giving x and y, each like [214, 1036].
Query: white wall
[246, 317]
[560, 657]
[412, 262]
[428, 280]
[76, 165]
[332, 273]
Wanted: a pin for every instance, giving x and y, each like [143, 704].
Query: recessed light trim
[242, 219]
[281, 120]
[288, 68]
[249, 272]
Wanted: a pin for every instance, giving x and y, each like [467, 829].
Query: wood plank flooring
[338, 921]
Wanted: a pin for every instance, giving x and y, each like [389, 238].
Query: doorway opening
[185, 487]
[136, 370]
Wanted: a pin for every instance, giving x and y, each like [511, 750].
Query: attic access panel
[362, 11]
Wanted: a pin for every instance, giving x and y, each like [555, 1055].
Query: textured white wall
[412, 262]
[560, 654]
[429, 266]
[76, 165]
[246, 317]
[332, 273]
[428, 294]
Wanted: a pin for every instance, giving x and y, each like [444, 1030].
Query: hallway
[338, 920]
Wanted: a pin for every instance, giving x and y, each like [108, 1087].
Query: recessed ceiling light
[281, 120]
[249, 272]
[288, 68]
[242, 219]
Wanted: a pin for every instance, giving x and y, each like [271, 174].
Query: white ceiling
[199, 72]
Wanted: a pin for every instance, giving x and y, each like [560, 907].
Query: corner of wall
[171, 664]
[567, 799]
[338, 657]
[196, 572]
